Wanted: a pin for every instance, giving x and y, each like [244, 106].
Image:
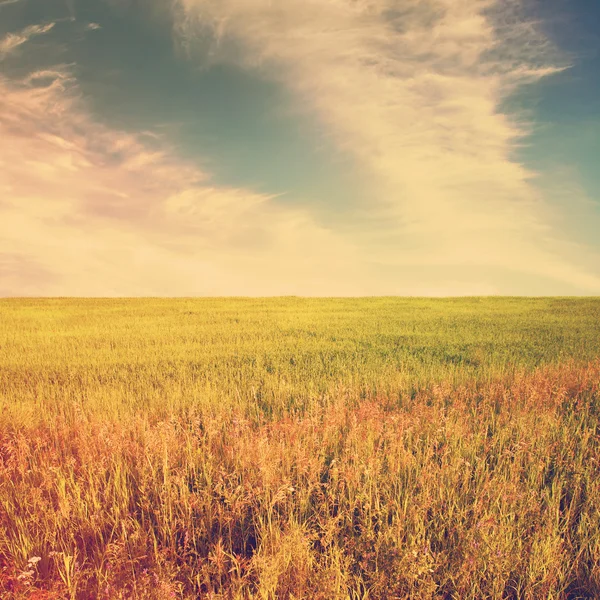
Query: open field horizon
[300, 448]
[299, 300]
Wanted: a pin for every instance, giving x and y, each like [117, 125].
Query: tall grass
[294, 448]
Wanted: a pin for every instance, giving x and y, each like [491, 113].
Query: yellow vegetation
[299, 449]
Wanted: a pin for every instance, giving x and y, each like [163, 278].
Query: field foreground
[290, 448]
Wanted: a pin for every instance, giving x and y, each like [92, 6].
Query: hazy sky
[310, 147]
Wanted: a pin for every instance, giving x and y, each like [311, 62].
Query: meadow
[290, 448]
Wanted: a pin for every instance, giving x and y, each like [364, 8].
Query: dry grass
[468, 485]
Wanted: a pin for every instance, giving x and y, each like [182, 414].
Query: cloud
[90, 210]
[414, 90]
[22, 275]
[14, 40]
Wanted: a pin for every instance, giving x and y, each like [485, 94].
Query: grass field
[293, 448]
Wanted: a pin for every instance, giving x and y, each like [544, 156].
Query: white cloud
[89, 210]
[411, 89]
[13, 40]
[414, 89]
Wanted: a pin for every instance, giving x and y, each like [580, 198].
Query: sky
[299, 147]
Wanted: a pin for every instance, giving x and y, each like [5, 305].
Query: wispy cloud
[14, 40]
[414, 89]
[90, 210]
[411, 90]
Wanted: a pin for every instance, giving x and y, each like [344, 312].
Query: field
[292, 448]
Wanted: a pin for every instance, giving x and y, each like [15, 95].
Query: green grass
[300, 448]
[280, 353]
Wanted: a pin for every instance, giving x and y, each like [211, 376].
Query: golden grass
[132, 474]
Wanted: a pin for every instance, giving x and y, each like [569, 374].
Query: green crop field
[378, 448]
